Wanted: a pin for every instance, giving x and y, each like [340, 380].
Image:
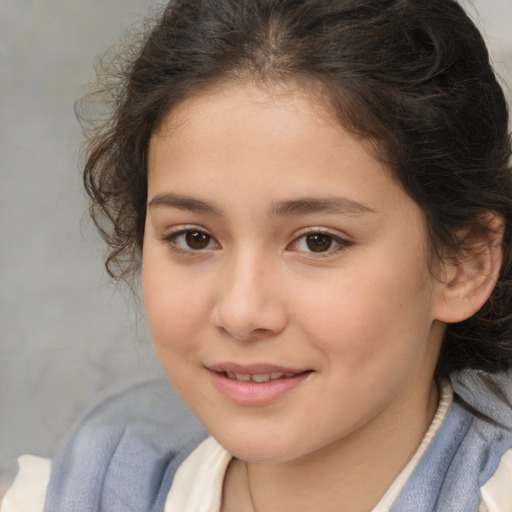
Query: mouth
[259, 377]
[256, 384]
[255, 372]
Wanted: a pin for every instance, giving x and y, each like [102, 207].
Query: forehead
[272, 144]
[242, 103]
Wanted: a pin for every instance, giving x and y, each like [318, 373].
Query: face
[285, 276]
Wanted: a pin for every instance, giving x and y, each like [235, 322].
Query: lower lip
[251, 393]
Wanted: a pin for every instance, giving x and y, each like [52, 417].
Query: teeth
[264, 377]
[261, 378]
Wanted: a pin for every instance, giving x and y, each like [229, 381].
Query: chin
[262, 454]
[266, 448]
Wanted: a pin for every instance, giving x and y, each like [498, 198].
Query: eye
[319, 242]
[190, 240]
[197, 240]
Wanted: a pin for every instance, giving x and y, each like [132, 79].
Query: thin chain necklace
[249, 487]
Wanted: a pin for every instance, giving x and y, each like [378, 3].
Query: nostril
[245, 335]
[248, 315]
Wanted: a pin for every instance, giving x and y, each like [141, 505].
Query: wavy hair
[411, 76]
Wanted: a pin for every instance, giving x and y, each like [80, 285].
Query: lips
[258, 384]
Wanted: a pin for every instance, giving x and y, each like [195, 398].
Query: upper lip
[253, 369]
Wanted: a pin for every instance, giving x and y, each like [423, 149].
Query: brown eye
[190, 241]
[197, 240]
[319, 242]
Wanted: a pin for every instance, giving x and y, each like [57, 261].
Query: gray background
[66, 335]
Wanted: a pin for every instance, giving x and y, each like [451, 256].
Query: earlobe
[469, 281]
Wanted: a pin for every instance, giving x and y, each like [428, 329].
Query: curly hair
[411, 76]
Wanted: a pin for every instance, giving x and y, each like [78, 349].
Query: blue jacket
[123, 455]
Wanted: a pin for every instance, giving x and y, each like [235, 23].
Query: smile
[262, 377]
[256, 385]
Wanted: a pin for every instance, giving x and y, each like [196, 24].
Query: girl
[318, 196]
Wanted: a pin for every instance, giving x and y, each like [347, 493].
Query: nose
[249, 303]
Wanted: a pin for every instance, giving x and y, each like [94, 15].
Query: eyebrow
[298, 206]
[332, 205]
[182, 202]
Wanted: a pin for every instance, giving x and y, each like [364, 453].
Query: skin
[363, 316]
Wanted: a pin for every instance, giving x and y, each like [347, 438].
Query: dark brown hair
[411, 76]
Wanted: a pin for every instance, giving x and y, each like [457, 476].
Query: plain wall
[66, 336]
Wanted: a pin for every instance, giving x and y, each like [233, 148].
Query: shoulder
[486, 402]
[29, 489]
[466, 466]
[497, 491]
[126, 450]
[489, 440]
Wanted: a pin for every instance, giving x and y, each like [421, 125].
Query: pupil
[197, 240]
[318, 243]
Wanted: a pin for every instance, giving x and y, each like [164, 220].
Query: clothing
[121, 475]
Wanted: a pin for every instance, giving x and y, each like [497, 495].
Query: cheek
[175, 307]
[174, 317]
[367, 318]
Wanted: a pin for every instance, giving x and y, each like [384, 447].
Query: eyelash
[171, 240]
[342, 243]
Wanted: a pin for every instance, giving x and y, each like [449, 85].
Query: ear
[469, 281]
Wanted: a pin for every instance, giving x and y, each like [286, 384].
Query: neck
[355, 471]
